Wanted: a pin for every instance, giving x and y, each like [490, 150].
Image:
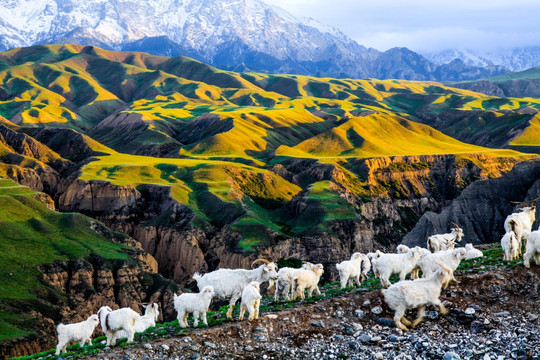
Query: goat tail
[339, 267]
[197, 277]
[60, 326]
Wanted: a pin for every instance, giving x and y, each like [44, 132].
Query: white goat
[197, 304]
[419, 293]
[402, 264]
[251, 300]
[510, 246]
[307, 279]
[149, 319]
[415, 274]
[472, 252]
[81, 331]
[284, 283]
[229, 283]
[350, 270]
[366, 266]
[114, 321]
[445, 241]
[450, 259]
[532, 248]
[521, 221]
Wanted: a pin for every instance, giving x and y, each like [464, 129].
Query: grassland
[33, 235]
[149, 101]
[529, 74]
[212, 136]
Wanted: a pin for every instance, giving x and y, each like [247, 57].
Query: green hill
[146, 105]
[523, 84]
[529, 74]
[214, 137]
[33, 235]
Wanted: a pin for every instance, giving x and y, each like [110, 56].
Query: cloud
[427, 25]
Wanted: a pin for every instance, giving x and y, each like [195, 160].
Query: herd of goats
[438, 263]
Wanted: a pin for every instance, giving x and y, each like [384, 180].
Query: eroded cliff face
[394, 193]
[77, 289]
[482, 207]
[30, 163]
[98, 198]
[73, 290]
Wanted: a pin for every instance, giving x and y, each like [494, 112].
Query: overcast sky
[427, 25]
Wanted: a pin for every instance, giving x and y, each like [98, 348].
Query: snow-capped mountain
[517, 59]
[204, 28]
[231, 34]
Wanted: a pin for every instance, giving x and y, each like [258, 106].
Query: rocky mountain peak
[224, 33]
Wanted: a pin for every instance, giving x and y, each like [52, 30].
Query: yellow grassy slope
[531, 135]
[381, 135]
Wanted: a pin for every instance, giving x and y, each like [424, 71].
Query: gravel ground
[494, 315]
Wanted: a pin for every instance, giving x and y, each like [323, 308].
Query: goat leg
[419, 316]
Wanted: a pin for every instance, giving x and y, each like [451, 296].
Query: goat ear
[265, 269]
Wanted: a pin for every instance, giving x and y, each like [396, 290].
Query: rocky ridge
[469, 209]
[510, 88]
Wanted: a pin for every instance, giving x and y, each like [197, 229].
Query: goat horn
[532, 202]
[260, 260]
[456, 225]
[519, 202]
